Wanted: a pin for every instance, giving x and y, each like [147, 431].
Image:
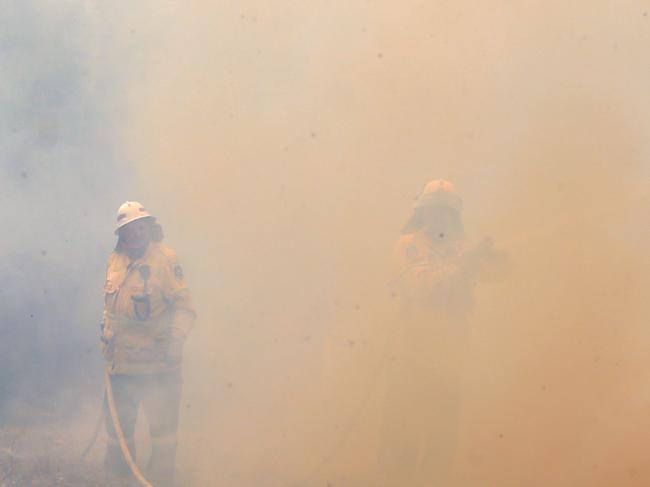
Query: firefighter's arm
[103, 329]
[106, 337]
[487, 262]
[184, 314]
[183, 321]
[178, 296]
[106, 333]
[419, 270]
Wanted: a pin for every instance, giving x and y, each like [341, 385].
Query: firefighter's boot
[114, 463]
[161, 467]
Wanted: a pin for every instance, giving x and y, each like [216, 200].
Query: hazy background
[282, 145]
[61, 177]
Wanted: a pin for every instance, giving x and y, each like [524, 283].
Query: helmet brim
[125, 223]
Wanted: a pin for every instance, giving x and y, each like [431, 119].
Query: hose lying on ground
[120, 435]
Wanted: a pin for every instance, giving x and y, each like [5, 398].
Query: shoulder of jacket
[407, 247]
[115, 258]
[405, 240]
[167, 253]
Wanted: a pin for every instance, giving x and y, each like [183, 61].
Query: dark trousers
[159, 395]
[419, 434]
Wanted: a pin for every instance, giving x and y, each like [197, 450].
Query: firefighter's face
[137, 233]
[441, 217]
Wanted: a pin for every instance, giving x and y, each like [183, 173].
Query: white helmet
[131, 211]
[439, 193]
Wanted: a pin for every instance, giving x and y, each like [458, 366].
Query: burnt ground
[49, 454]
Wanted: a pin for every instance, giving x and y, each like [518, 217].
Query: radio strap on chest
[142, 304]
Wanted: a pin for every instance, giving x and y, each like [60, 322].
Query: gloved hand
[107, 342]
[175, 351]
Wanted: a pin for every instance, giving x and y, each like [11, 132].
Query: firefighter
[148, 313]
[434, 278]
[430, 267]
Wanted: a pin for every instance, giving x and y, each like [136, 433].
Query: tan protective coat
[134, 345]
[432, 275]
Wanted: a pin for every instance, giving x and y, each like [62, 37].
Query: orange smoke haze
[282, 144]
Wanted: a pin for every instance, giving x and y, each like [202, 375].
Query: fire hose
[120, 435]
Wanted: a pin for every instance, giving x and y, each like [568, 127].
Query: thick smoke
[284, 144]
[60, 181]
[281, 145]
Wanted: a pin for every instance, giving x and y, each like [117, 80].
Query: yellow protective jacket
[147, 306]
[432, 275]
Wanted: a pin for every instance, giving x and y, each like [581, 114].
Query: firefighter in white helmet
[148, 313]
[434, 278]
